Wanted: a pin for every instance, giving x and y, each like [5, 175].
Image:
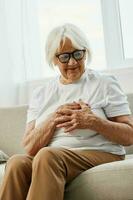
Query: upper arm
[116, 100]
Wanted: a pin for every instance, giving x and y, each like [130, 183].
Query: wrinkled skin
[71, 119]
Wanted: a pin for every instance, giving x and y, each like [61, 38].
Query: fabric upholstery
[3, 157]
[12, 126]
[112, 181]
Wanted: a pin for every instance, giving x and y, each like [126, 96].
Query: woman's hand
[67, 106]
[51, 119]
[70, 106]
[75, 119]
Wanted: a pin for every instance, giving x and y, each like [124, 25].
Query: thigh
[96, 157]
[77, 161]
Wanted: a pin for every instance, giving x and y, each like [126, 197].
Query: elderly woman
[76, 121]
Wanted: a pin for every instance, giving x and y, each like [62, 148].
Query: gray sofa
[111, 181]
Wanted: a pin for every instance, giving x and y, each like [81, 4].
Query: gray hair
[60, 33]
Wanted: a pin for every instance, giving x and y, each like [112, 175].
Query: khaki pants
[44, 176]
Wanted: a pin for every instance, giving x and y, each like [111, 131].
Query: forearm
[120, 133]
[39, 137]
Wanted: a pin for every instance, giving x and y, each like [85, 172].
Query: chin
[72, 77]
[75, 78]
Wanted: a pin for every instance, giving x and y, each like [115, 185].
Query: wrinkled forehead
[65, 46]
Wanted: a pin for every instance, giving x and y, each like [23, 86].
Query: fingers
[62, 119]
[71, 128]
[84, 106]
[72, 106]
[64, 112]
[66, 124]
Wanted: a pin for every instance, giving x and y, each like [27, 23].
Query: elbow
[130, 138]
[30, 151]
[28, 148]
[129, 142]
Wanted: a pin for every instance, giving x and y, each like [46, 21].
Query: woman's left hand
[76, 119]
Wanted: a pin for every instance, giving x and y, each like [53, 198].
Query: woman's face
[73, 69]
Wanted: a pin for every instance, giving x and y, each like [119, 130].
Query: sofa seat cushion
[130, 156]
[2, 169]
[3, 157]
[112, 181]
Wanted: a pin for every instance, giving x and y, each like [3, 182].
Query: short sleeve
[34, 104]
[117, 103]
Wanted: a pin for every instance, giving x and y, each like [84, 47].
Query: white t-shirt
[101, 91]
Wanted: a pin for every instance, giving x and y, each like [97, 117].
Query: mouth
[72, 69]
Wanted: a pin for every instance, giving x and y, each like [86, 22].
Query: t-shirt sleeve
[34, 104]
[117, 103]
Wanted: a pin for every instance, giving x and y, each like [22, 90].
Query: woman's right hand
[50, 121]
[70, 106]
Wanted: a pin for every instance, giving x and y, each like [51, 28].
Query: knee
[16, 163]
[46, 156]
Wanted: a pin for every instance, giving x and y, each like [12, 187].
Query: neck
[65, 81]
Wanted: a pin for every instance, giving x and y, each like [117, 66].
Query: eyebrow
[68, 52]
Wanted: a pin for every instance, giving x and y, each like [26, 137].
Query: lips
[73, 68]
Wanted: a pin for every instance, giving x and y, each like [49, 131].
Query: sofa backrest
[129, 149]
[12, 127]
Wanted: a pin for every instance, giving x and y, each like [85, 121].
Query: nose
[72, 61]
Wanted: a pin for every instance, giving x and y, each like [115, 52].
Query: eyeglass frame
[71, 55]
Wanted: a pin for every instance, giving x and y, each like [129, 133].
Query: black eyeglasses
[65, 57]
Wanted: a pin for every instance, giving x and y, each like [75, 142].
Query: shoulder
[101, 77]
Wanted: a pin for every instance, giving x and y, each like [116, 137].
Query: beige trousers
[44, 176]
